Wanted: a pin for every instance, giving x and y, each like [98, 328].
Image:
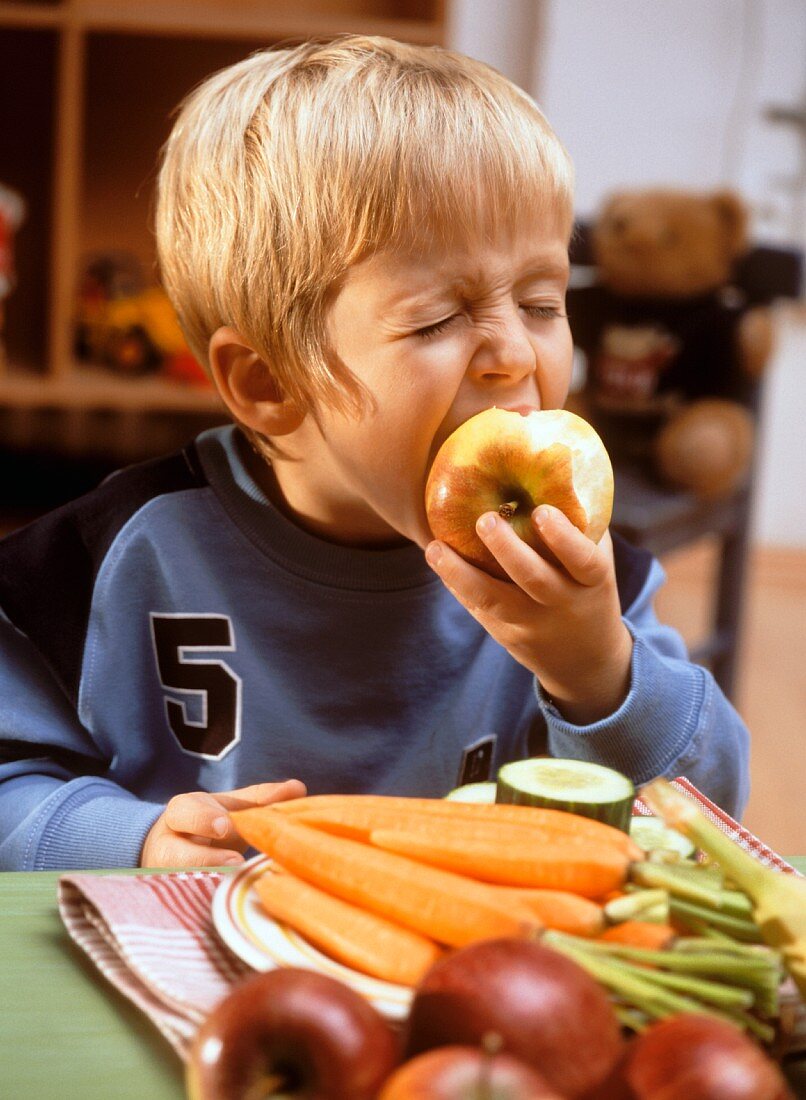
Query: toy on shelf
[675, 348]
[128, 327]
[12, 215]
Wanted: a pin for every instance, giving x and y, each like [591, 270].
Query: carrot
[640, 933]
[468, 832]
[449, 908]
[357, 815]
[559, 909]
[588, 870]
[353, 936]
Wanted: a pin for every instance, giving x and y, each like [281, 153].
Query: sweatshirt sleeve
[675, 720]
[57, 810]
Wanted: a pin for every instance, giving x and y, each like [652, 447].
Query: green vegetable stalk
[650, 984]
[779, 900]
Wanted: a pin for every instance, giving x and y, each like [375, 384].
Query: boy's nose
[505, 353]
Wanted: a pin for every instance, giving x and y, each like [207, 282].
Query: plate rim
[232, 913]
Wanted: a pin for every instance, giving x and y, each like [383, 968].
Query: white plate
[264, 943]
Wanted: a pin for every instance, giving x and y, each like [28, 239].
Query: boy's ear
[248, 387]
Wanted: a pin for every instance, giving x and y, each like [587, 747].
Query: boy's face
[434, 338]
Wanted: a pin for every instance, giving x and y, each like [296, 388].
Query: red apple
[548, 1011]
[291, 1032]
[697, 1057]
[466, 1073]
[510, 462]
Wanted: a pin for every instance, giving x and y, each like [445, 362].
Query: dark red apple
[509, 462]
[548, 1011]
[697, 1057]
[466, 1073]
[291, 1032]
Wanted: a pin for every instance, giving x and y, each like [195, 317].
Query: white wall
[674, 92]
[780, 501]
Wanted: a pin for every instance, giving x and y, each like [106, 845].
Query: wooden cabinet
[87, 88]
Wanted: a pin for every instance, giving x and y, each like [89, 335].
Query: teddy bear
[674, 348]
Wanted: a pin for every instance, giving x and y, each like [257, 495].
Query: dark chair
[662, 520]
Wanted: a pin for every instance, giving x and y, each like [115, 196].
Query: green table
[64, 1031]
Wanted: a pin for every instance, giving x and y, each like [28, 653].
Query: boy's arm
[56, 808]
[674, 721]
[615, 688]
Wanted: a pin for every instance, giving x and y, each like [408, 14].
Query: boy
[366, 242]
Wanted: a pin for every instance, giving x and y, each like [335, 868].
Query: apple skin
[695, 1057]
[548, 1011]
[466, 1073]
[498, 457]
[318, 1037]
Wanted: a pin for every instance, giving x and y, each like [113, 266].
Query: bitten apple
[510, 462]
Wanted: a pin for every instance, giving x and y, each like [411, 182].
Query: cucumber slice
[652, 833]
[578, 786]
[473, 792]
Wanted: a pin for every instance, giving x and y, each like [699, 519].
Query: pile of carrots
[384, 884]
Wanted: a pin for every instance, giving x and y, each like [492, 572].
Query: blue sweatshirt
[172, 631]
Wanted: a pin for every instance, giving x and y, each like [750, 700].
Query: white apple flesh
[509, 462]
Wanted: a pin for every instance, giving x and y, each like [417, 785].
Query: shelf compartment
[27, 62]
[82, 387]
[410, 20]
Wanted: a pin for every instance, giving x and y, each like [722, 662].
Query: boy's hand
[195, 831]
[563, 622]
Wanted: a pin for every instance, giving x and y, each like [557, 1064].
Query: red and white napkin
[743, 837]
[152, 936]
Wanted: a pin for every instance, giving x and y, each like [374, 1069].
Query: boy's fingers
[198, 814]
[483, 596]
[206, 815]
[582, 557]
[530, 572]
[261, 794]
[176, 851]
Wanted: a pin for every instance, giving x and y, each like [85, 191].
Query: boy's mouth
[524, 410]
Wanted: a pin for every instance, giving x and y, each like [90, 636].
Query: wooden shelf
[96, 82]
[32, 15]
[85, 388]
[222, 19]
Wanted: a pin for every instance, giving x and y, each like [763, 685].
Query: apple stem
[267, 1086]
[508, 510]
[491, 1044]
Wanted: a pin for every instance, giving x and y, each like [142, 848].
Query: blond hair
[286, 168]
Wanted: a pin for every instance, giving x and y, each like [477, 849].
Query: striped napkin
[743, 837]
[152, 936]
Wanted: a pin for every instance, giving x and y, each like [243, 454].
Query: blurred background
[677, 94]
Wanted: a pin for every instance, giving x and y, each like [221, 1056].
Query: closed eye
[437, 327]
[541, 313]
[544, 313]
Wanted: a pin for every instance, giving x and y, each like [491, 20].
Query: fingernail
[433, 554]
[486, 523]
[220, 826]
[541, 515]
[233, 861]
